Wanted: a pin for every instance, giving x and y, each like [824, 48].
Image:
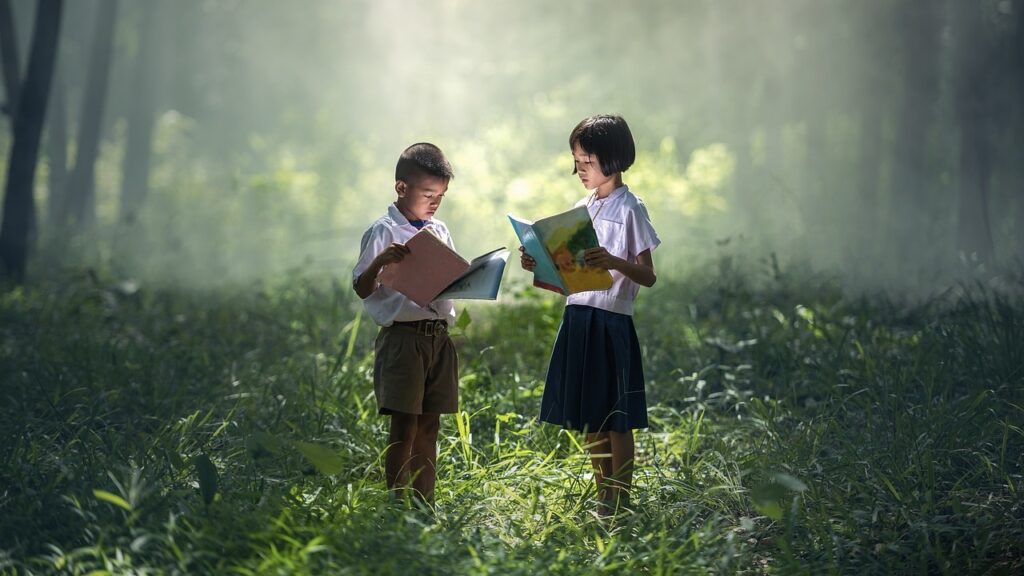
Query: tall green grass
[794, 431]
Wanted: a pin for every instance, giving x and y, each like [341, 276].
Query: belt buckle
[428, 328]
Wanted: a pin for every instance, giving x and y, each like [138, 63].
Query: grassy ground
[793, 431]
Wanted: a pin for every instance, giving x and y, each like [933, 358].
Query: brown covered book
[433, 271]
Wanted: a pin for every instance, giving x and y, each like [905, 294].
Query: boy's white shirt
[385, 305]
[624, 229]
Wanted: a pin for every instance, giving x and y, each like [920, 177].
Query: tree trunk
[974, 234]
[82, 192]
[1017, 168]
[9, 49]
[19, 204]
[141, 117]
[57, 152]
[910, 214]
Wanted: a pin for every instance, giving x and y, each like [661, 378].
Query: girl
[595, 381]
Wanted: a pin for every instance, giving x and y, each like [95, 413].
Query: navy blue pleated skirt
[595, 381]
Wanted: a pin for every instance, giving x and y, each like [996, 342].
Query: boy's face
[421, 196]
[588, 168]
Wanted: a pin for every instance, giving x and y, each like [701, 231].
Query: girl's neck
[608, 187]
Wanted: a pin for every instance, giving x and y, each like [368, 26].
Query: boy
[415, 369]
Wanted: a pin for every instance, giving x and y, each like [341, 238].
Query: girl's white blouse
[624, 229]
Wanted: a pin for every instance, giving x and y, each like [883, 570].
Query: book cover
[558, 243]
[432, 270]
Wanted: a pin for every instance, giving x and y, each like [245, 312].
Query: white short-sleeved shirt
[385, 305]
[623, 228]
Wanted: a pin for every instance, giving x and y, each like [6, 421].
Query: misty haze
[833, 352]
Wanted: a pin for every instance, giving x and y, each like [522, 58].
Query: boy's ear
[400, 188]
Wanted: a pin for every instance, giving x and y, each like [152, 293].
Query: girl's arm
[641, 271]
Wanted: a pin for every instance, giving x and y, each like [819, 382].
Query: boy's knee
[403, 426]
[428, 425]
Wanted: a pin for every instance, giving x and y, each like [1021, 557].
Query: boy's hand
[600, 258]
[526, 261]
[392, 254]
[366, 283]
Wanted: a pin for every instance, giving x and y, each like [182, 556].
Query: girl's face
[420, 197]
[588, 168]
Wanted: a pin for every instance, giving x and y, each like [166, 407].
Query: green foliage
[792, 431]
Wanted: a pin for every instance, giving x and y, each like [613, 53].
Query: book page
[545, 275]
[566, 237]
[426, 270]
[481, 281]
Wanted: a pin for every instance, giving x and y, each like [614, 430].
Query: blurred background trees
[202, 142]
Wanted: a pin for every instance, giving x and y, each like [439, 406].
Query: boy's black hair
[423, 157]
[608, 138]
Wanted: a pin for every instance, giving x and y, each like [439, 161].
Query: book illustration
[432, 271]
[558, 244]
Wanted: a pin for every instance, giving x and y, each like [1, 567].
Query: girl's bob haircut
[607, 137]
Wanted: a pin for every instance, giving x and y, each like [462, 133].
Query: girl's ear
[400, 188]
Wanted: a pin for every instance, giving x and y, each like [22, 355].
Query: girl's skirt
[595, 381]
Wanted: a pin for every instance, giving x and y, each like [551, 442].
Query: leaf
[789, 482]
[768, 496]
[262, 444]
[463, 320]
[326, 460]
[113, 499]
[207, 473]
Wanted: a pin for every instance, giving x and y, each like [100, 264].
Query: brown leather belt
[425, 327]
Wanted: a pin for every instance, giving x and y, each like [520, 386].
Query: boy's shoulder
[439, 225]
[386, 221]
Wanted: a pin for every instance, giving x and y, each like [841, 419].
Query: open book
[557, 243]
[433, 271]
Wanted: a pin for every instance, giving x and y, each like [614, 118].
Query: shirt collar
[395, 214]
[615, 194]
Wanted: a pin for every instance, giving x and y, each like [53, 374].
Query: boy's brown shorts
[416, 369]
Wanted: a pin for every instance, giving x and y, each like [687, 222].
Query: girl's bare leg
[620, 480]
[601, 460]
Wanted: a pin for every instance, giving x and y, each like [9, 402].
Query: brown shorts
[416, 369]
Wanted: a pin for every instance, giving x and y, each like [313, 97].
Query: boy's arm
[366, 282]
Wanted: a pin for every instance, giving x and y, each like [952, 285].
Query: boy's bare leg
[399, 453]
[424, 456]
[621, 479]
[599, 448]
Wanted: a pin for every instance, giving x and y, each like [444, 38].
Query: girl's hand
[526, 261]
[392, 254]
[600, 258]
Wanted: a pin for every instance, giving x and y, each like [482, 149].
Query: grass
[794, 431]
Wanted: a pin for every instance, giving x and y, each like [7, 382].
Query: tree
[57, 152]
[141, 117]
[913, 197]
[9, 50]
[974, 233]
[82, 192]
[19, 206]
